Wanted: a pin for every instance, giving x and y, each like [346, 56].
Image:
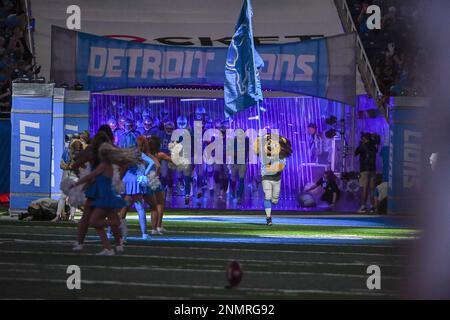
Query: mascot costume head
[274, 146]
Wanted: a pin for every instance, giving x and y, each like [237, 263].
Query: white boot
[362, 209]
[156, 232]
[120, 248]
[124, 229]
[77, 247]
[106, 252]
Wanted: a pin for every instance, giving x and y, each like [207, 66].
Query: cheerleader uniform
[130, 180]
[133, 187]
[106, 196]
[91, 190]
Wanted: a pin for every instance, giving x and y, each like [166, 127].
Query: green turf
[35, 256]
[280, 230]
[220, 229]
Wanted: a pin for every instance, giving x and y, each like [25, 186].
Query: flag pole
[256, 81]
[260, 139]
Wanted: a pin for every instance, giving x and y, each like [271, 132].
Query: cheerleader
[90, 158]
[273, 161]
[154, 195]
[154, 146]
[133, 193]
[107, 201]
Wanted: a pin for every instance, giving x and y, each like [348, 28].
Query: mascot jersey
[272, 169]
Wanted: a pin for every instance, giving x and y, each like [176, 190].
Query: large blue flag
[242, 87]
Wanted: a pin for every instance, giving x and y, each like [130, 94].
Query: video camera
[373, 138]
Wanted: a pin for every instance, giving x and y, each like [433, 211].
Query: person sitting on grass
[331, 190]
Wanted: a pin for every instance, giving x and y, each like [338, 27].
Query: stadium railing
[365, 69]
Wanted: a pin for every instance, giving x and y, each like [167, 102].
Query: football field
[298, 257]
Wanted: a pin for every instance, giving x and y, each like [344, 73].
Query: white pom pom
[153, 181]
[66, 184]
[85, 171]
[77, 197]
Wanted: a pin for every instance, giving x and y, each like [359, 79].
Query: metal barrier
[362, 60]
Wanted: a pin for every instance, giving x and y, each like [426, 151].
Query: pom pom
[66, 184]
[142, 180]
[85, 171]
[153, 181]
[76, 195]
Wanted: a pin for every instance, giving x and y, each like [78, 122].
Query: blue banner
[405, 155]
[322, 68]
[31, 144]
[242, 88]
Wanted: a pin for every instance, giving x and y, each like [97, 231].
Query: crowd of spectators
[16, 60]
[394, 56]
[392, 52]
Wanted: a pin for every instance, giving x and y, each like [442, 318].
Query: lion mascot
[275, 150]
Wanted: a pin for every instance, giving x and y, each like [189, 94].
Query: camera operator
[367, 152]
[317, 145]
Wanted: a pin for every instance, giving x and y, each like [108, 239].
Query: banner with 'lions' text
[31, 144]
[322, 68]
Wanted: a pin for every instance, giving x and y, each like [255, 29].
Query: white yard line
[197, 269]
[268, 236]
[198, 248]
[183, 286]
[201, 270]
